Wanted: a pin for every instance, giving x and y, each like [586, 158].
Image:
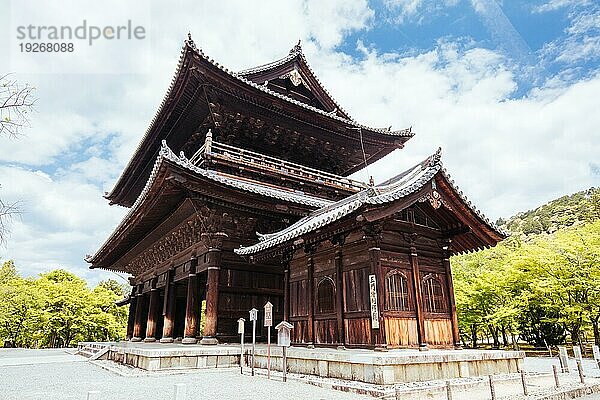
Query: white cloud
[403, 9]
[554, 5]
[506, 154]
[581, 41]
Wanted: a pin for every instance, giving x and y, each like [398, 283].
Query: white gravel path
[71, 379]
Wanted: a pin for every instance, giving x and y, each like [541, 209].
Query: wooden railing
[213, 150]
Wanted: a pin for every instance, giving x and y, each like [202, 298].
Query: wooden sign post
[241, 328]
[283, 340]
[374, 305]
[268, 324]
[564, 359]
[253, 318]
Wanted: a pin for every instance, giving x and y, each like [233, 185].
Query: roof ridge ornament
[297, 49]
[190, 41]
[436, 157]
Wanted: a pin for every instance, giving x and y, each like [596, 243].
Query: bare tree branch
[8, 211]
[16, 103]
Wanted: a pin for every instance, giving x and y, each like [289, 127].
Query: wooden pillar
[131, 314]
[286, 293]
[212, 304]
[373, 236]
[451, 300]
[139, 311]
[169, 305]
[311, 294]
[191, 307]
[339, 293]
[214, 243]
[152, 313]
[286, 258]
[414, 264]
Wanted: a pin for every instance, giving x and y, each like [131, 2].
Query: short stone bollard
[180, 391]
[577, 353]
[596, 351]
[564, 359]
[492, 387]
[93, 395]
[524, 382]
[580, 370]
[448, 390]
[556, 381]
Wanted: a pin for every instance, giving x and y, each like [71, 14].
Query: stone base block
[166, 340]
[189, 340]
[208, 340]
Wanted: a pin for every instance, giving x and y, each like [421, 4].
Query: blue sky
[507, 88]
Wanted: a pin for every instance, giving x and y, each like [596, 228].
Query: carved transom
[205, 223]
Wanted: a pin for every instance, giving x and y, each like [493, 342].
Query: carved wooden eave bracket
[214, 240]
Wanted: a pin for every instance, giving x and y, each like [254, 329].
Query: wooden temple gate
[269, 152]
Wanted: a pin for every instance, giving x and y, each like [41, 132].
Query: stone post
[191, 307]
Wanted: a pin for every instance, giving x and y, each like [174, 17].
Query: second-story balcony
[214, 153]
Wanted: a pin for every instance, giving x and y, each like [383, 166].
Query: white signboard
[596, 353]
[373, 298]
[268, 314]
[283, 333]
[253, 314]
[241, 325]
[577, 352]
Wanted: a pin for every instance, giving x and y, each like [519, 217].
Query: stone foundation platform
[382, 368]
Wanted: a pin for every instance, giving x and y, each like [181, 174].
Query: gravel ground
[27, 375]
[70, 377]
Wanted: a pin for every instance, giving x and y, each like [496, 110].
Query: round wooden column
[214, 243]
[416, 275]
[450, 287]
[139, 311]
[212, 300]
[131, 315]
[191, 307]
[152, 315]
[169, 310]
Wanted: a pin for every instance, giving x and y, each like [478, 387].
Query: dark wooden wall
[310, 267]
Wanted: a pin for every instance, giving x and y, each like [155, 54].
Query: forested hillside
[58, 309]
[563, 212]
[542, 284]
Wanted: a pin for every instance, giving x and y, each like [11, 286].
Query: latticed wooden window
[433, 294]
[396, 292]
[325, 296]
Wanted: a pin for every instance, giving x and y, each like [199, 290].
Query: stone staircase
[93, 350]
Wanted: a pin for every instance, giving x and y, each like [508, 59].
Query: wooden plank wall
[439, 332]
[401, 332]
